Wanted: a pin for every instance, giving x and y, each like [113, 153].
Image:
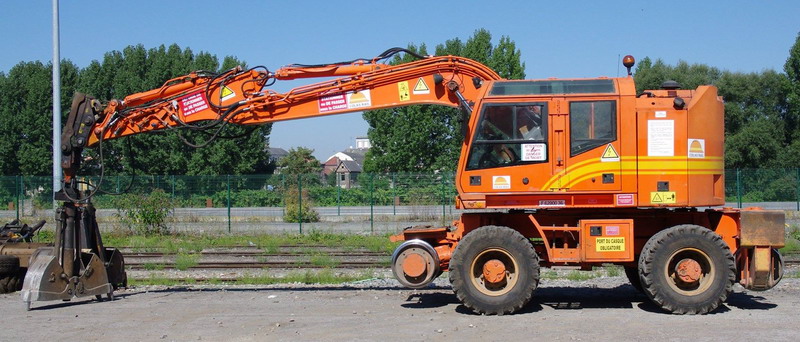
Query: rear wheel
[494, 270]
[687, 269]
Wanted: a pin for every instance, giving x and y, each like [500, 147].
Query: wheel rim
[494, 272]
[689, 271]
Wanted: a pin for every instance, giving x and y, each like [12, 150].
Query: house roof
[277, 152]
[349, 166]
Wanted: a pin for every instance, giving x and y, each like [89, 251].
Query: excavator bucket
[78, 265]
[45, 279]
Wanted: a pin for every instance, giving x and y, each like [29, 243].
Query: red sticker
[612, 230]
[331, 103]
[193, 103]
[625, 199]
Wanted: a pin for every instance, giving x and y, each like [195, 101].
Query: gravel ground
[605, 308]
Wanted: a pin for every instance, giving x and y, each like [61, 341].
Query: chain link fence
[356, 203]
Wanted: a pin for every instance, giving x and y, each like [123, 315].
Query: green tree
[26, 112]
[425, 138]
[790, 156]
[299, 166]
[756, 119]
[299, 161]
[136, 69]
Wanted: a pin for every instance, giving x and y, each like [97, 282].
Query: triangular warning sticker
[421, 87]
[609, 154]
[656, 198]
[226, 93]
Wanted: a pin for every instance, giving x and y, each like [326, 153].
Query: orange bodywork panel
[608, 149]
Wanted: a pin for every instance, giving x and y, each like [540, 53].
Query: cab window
[591, 124]
[509, 134]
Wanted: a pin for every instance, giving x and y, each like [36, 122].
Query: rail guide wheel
[687, 269]
[415, 264]
[494, 270]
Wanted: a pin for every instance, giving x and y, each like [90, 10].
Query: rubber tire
[633, 277]
[519, 247]
[12, 282]
[654, 258]
[9, 264]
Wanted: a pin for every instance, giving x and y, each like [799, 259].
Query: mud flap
[46, 279]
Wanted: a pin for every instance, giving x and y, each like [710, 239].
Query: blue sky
[557, 38]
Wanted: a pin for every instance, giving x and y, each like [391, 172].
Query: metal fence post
[300, 200]
[18, 192]
[444, 196]
[371, 209]
[338, 198]
[738, 188]
[283, 195]
[797, 192]
[229, 202]
[394, 195]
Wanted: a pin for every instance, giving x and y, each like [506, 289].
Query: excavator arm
[79, 265]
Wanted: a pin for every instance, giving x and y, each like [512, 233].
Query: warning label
[605, 244]
[193, 103]
[402, 89]
[344, 101]
[226, 93]
[501, 182]
[533, 152]
[624, 199]
[662, 197]
[421, 88]
[697, 148]
[610, 154]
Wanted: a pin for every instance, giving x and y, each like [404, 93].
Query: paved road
[603, 309]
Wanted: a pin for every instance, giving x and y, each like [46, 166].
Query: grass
[304, 277]
[613, 271]
[581, 275]
[188, 243]
[152, 266]
[184, 261]
[324, 261]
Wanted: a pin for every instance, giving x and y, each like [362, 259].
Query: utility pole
[56, 104]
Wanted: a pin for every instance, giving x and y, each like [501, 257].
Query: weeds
[305, 277]
[152, 266]
[324, 261]
[185, 261]
[613, 271]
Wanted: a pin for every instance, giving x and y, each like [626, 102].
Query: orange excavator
[556, 172]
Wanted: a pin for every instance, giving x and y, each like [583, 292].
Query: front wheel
[494, 270]
[687, 269]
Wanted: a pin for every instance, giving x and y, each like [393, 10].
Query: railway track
[246, 257]
[290, 256]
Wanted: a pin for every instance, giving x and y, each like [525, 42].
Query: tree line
[762, 119]
[26, 117]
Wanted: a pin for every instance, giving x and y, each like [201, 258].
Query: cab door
[592, 148]
[510, 150]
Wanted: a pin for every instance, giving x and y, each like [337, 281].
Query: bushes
[295, 211]
[145, 214]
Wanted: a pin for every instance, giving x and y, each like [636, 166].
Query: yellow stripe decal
[646, 166]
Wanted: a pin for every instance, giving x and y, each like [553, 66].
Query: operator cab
[546, 137]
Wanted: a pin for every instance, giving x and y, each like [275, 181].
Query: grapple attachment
[78, 265]
[46, 279]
